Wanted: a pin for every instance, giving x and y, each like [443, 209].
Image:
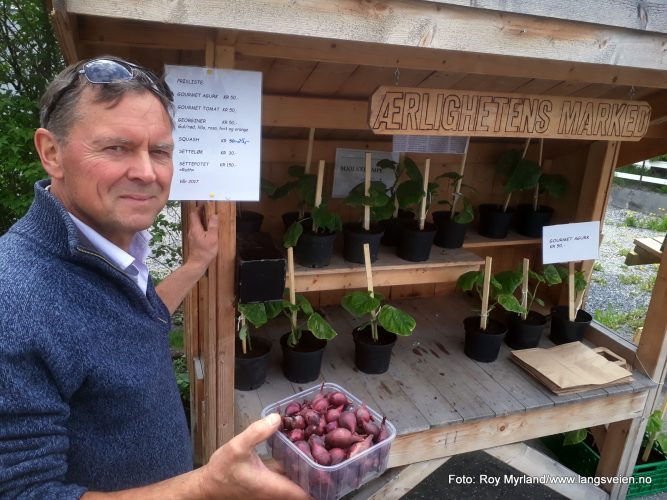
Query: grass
[598, 267]
[647, 285]
[615, 319]
[623, 252]
[600, 280]
[654, 222]
[630, 279]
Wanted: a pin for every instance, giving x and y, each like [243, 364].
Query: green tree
[29, 59]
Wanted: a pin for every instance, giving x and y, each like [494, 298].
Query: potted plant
[520, 174]
[313, 236]
[373, 198]
[532, 217]
[302, 185]
[416, 236]
[484, 335]
[403, 195]
[569, 322]
[252, 355]
[375, 339]
[452, 224]
[525, 329]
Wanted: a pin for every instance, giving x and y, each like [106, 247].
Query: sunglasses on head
[105, 71]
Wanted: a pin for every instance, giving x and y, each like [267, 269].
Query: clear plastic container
[328, 482]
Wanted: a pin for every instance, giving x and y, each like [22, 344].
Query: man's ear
[48, 150]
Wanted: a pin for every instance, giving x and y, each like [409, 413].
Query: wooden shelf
[475, 240]
[444, 265]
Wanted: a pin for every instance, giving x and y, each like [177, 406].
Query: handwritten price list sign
[217, 134]
[570, 242]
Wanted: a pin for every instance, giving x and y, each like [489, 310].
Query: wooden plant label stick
[367, 187]
[536, 193]
[485, 294]
[318, 188]
[570, 290]
[509, 195]
[309, 154]
[369, 271]
[457, 190]
[524, 287]
[422, 211]
[290, 277]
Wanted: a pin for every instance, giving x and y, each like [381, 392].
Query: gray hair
[63, 102]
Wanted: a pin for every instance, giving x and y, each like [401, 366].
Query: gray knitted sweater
[88, 398]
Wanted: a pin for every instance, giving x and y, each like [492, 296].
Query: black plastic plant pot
[369, 356]
[483, 345]
[250, 368]
[392, 227]
[302, 363]
[314, 249]
[524, 333]
[493, 222]
[450, 234]
[290, 217]
[354, 237]
[248, 221]
[415, 244]
[563, 330]
[530, 222]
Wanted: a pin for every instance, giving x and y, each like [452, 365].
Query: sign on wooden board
[571, 242]
[421, 111]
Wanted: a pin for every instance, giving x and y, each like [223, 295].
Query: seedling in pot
[323, 219]
[407, 194]
[257, 314]
[549, 276]
[456, 184]
[498, 290]
[520, 174]
[368, 304]
[371, 196]
[576, 285]
[553, 184]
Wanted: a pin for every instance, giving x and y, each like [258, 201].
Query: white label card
[351, 166]
[571, 242]
[217, 135]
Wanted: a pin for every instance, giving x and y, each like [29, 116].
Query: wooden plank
[65, 27]
[596, 184]
[647, 16]
[309, 112]
[448, 28]
[487, 433]
[326, 79]
[650, 245]
[419, 111]
[532, 463]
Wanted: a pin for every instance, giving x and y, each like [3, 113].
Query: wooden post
[572, 313]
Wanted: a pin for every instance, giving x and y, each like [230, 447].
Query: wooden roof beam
[403, 23]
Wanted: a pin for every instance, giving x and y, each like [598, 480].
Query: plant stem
[457, 189]
[507, 202]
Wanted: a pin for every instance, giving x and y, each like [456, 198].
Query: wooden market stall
[321, 62]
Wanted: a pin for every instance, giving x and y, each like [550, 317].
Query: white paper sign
[217, 136]
[351, 165]
[571, 242]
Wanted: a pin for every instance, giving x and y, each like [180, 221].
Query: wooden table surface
[430, 382]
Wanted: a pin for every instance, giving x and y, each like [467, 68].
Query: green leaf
[551, 275]
[324, 218]
[466, 215]
[539, 301]
[508, 162]
[554, 184]
[305, 189]
[413, 171]
[524, 176]
[510, 303]
[396, 321]
[360, 303]
[509, 281]
[574, 437]
[320, 328]
[267, 187]
[243, 332]
[452, 176]
[273, 308]
[579, 281]
[292, 234]
[386, 163]
[495, 284]
[654, 423]
[304, 305]
[409, 193]
[255, 313]
[535, 276]
[382, 213]
[282, 191]
[563, 273]
[468, 280]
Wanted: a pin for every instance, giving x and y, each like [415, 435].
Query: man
[88, 400]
